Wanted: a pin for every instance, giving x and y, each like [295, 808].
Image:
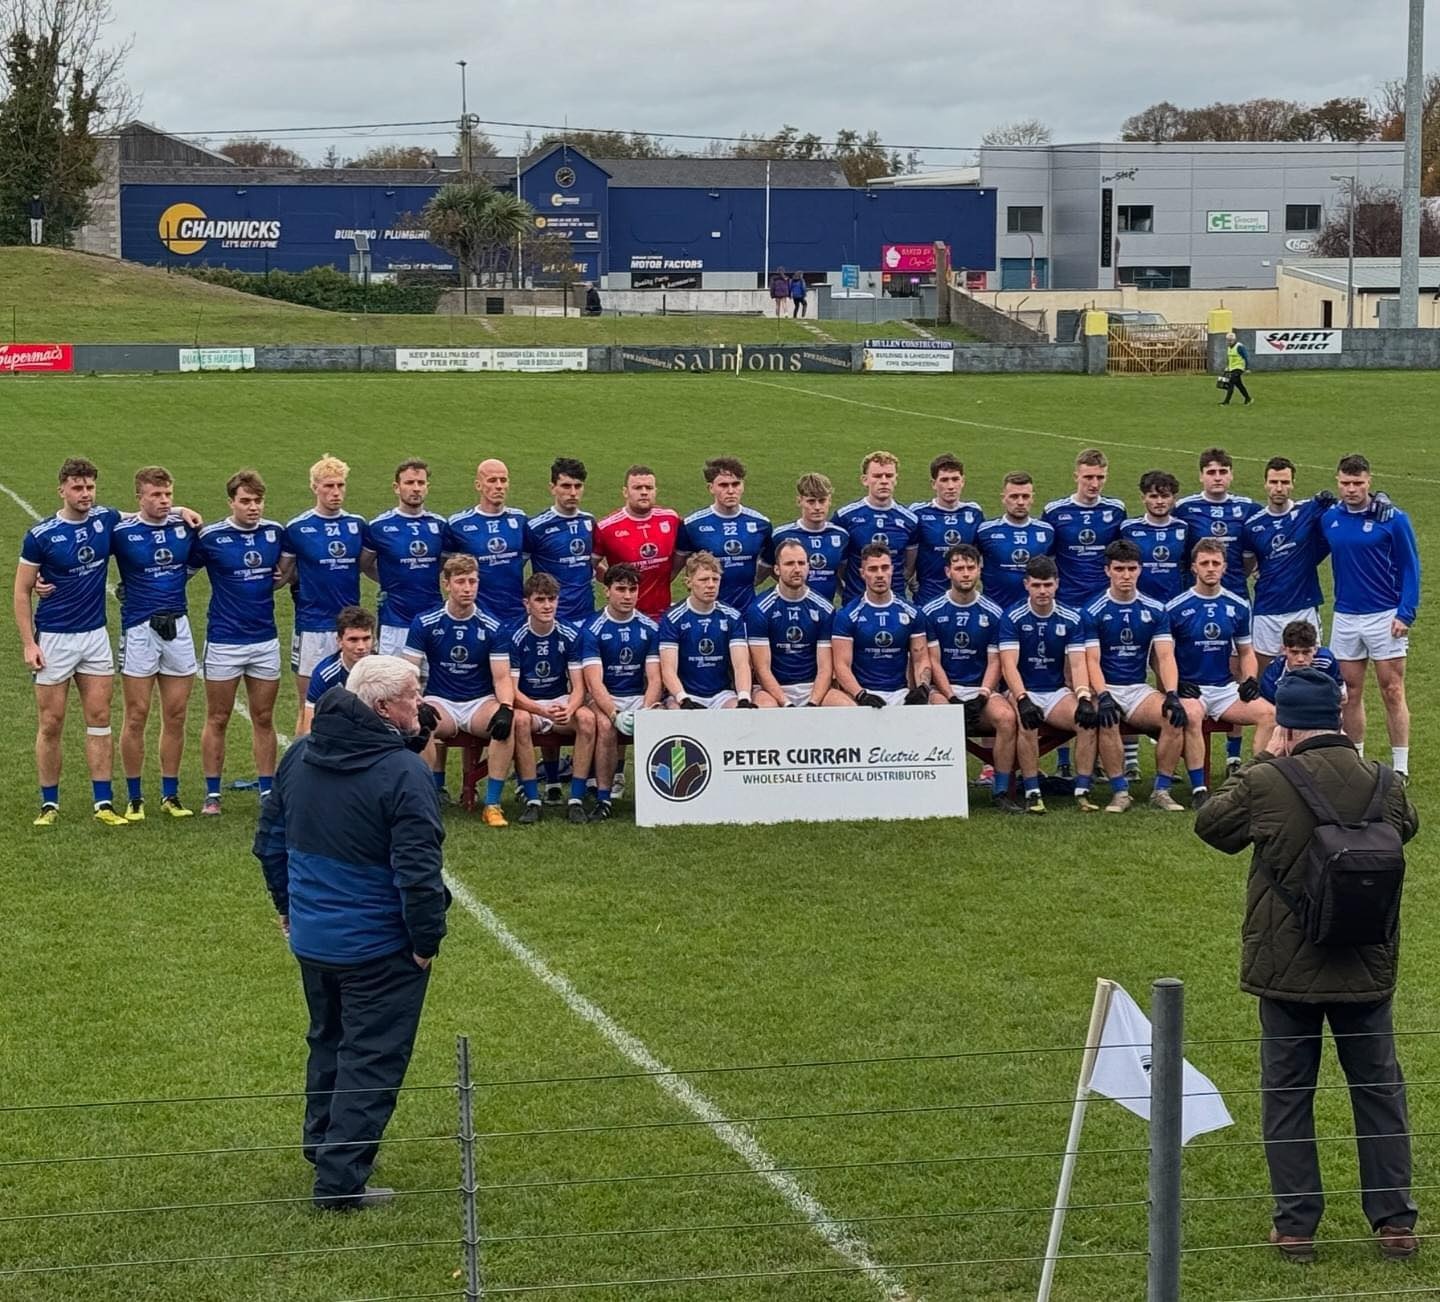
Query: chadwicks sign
[1287, 343]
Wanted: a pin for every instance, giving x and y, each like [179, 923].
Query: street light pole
[1410, 194]
[1350, 181]
[464, 122]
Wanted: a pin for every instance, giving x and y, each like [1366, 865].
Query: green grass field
[144, 963]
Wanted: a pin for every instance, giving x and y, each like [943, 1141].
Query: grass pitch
[143, 962]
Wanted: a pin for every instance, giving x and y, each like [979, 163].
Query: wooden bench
[474, 769]
[1053, 738]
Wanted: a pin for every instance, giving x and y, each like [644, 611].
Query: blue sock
[602, 795]
[102, 793]
[132, 788]
[169, 787]
[1002, 783]
[1083, 783]
[1163, 781]
[266, 781]
[578, 788]
[1062, 755]
[1232, 747]
[494, 790]
[439, 778]
[1197, 777]
[551, 769]
[530, 789]
[1119, 784]
[1032, 784]
[212, 786]
[50, 795]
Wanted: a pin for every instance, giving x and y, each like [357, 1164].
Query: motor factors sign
[813, 766]
[22, 359]
[1285, 343]
[528, 360]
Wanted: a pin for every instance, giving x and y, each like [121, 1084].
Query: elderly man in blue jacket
[350, 840]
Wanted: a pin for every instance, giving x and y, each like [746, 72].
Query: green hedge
[326, 288]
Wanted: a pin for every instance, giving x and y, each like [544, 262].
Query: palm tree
[477, 223]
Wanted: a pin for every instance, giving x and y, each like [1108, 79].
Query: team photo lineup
[1085, 623]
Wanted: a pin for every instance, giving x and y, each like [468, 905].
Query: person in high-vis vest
[1237, 362]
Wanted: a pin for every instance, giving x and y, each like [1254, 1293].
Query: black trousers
[1289, 1065]
[363, 1021]
[1237, 384]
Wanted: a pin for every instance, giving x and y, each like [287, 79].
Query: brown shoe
[1294, 1248]
[1397, 1241]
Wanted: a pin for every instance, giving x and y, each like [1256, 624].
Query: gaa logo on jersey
[578, 547]
[1086, 537]
[649, 551]
[418, 547]
[884, 638]
[706, 646]
[1161, 553]
[459, 654]
[1219, 529]
[962, 639]
[626, 656]
[733, 547]
[952, 536]
[163, 556]
[337, 549]
[85, 555]
[882, 538]
[542, 669]
[1020, 556]
[679, 768]
[1212, 631]
[253, 560]
[794, 633]
[1127, 635]
[495, 546]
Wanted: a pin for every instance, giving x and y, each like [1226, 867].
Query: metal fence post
[1167, 1014]
[470, 1221]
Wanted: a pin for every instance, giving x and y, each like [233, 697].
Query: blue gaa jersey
[153, 562]
[1123, 632]
[826, 547]
[327, 551]
[966, 636]
[73, 555]
[457, 651]
[1224, 520]
[1376, 566]
[563, 546]
[540, 663]
[1042, 643]
[1288, 550]
[879, 638]
[1082, 533]
[937, 530]
[240, 564]
[1206, 631]
[1164, 550]
[703, 645]
[1324, 661]
[1007, 548]
[894, 526]
[622, 648]
[407, 558]
[330, 672]
[738, 541]
[498, 543]
[793, 630]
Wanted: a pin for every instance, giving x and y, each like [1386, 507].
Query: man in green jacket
[1301, 986]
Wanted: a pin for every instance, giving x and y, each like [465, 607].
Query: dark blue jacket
[350, 839]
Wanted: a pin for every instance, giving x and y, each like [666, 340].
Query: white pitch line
[734, 1137]
[20, 502]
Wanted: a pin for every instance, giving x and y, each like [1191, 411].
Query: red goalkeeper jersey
[648, 544]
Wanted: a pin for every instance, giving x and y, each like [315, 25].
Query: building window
[1025, 219]
[1302, 216]
[1155, 277]
[1138, 218]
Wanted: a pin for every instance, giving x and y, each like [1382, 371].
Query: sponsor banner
[1300, 244]
[665, 280]
[912, 360]
[217, 359]
[778, 766]
[574, 225]
[942, 345]
[16, 359]
[655, 262]
[530, 360]
[778, 357]
[908, 257]
[1290, 342]
[1251, 222]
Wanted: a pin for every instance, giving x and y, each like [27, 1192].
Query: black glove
[1107, 710]
[812, 705]
[1031, 715]
[1383, 507]
[918, 695]
[429, 716]
[745, 703]
[862, 697]
[501, 722]
[1086, 716]
[974, 711]
[1189, 690]
[1175, 710]
[1249, 688]
[686, 703]
[1326, 499]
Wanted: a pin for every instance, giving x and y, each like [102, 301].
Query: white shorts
[797, 693]
[391, 640]
[1129, 696]
[460, 712]
[1217, 700]
[68, 654]
[1265, 630]
[627, 702]
[226, 661]
[966, 691]
[1047, 701]
[1367, 637]
[144, 653]
[308, 649]
[717, 702]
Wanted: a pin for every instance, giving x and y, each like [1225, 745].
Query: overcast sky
[922, 72]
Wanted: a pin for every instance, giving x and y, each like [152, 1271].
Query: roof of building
[1372, 275]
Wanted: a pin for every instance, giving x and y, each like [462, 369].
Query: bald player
[496, 535]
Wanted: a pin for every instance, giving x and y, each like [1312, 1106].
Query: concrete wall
[987, 322]
[1367, 350]
[102, 233]
[1259, 308]
[1029, 359]
[1300, 303]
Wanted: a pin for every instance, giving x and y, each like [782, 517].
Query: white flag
[1122, 1072]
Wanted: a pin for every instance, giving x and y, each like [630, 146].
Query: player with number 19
[1163, 539]
[355, 632]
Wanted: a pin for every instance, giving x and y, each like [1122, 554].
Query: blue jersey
[153, 562]
[702, 643]
[73, 555]
[1042, 643]
[330, 672]
[1376, 566]
[1082, 533]
[893, 526]
[458, 652]
[966, 636]
[540, 663]
[937, 530]
[622, 648]
[1123, 632]
[240, 564]
[826, 547]
[563, 546]
[1164, 551]
[1324, 661]
[1007, 548]
[738, 542]
[793, 630]
[1224, 520]
[327, 551]
[1288, 549]
[498, 543]
[407, 558]
[879, 638]
[1206, 631]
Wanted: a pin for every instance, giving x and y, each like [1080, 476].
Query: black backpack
[1353, 873]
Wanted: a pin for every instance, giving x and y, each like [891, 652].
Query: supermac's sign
[1288, 342]
[185, 229]
[17, 359]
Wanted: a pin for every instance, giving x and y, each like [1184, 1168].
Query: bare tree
[1027, 131]
[247, 151]
[1377, 227]
[79, 32]
[392, 156]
